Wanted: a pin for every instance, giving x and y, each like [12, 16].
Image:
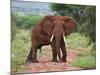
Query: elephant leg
[54, 52]
[29, 57]
[59, 55]
[63, 49]
[34, 54]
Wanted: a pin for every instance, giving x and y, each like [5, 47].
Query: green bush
[86, 62]
[13, 27]
[77, 41]
[93, 49]
[26, 21]
[13, 30]
[80, 44]
[20, 47]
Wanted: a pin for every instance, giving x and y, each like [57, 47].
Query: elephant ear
[46, 25]
[69, 25]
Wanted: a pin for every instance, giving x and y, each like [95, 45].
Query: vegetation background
[83, 40]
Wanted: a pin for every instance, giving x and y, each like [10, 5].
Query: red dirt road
[45, 65]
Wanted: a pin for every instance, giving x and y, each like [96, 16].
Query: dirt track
[45, 65]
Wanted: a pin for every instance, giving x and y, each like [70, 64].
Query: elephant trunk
[57, 35]
[57, 41]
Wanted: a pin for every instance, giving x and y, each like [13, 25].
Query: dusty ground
[45, 65]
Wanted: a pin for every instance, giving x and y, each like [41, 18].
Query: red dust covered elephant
[51, 31]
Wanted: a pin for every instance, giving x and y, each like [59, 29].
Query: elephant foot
[35, 61]
[28, 61]
[32, 61]
[63, 60]
[54, 60]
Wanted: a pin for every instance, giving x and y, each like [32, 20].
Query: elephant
[51, 30]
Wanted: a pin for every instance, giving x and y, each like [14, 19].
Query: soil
[45, 65]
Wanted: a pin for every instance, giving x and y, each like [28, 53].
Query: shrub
[29, 20]
[13, 30]
[26, 21]
[80, 44]
[13, 27]
[86, 62]
[20, 47]
[77, 41]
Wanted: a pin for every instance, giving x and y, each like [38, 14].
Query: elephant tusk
[51, 37]
[64, 38]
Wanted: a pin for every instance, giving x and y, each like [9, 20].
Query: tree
[88, 26]
[84, 16]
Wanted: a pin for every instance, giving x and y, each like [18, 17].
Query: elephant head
[57, 27]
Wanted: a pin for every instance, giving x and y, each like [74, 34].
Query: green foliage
[26, 21]
[59, 8]
[13, 30]
[80, 44]
[84, 15]
[75, 11]
[77, 41]
[23, 22]
[93, 49]
[20, 47]
[13, 27]
[86, 54]
[29, 21]
[86, 62]
[88, 26]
